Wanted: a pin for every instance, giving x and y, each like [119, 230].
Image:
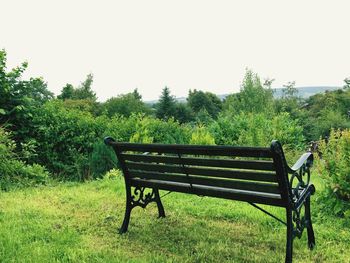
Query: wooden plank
[240, 195]
[224, 173]
[194, 149]
[224, 163]
[225, 183]
[155, 167]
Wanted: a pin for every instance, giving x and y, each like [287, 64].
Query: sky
[204, 45]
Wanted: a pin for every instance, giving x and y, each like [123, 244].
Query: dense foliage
[326, 111]
[204, 101]
[257, 130]
[64, 139]
[334, 167]
[19, 97]
[15, 172]
[65, 135]
[125, 105]
[253, 97]
[83, 92]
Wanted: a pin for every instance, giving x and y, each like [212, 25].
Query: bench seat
[212, 191]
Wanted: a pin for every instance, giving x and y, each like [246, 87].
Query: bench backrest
[252, 174]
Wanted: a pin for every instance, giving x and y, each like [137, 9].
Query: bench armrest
[302, 195]
[300, 173]
[306, 159]
[108, 140]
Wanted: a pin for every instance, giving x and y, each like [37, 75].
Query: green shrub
[113, 173]
[125, 105]
[70, 142]
[202, 136]
[334, 167]
[253, 129]
[14, 172]
[157, 131]
[102, 159]
[119, 127]
[65, 139]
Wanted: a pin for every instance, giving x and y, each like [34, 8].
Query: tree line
[61, 137]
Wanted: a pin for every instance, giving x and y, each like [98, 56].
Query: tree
[289, 102]
[83, 92]
[347, 84]
[67, 92]
[125, 105]
[289, 90]
[325, 111]
[183, 113]
[166, 106]
[199, 101]
[19, 97]
[253, 97]
[137, 95]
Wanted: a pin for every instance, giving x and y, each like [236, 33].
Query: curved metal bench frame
[293, 183]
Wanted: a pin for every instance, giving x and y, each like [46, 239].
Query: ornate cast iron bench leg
[310, 231]
[161, 212]
[128, 208]
[289, 249]
[140, 198]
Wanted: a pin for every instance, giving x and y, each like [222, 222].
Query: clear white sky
[182, 44]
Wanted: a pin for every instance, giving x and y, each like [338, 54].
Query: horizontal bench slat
[232, 174]
[194, 149]
[240, 164]
[224, 183]
[247, 196]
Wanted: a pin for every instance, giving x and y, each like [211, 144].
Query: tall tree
[67, 92]
[18, 98]
[166, 105]
[137, 95]
[290, 101]
[289, 90]
[83, 92]
[253, 96]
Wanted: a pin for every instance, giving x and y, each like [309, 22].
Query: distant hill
[306, 92]
[303, 92]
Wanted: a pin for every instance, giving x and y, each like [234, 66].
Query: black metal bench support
[290, 236]
[139, 197]
[128, 208]
[310, 231]
[296, 223]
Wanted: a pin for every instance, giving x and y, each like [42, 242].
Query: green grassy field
[74, 222]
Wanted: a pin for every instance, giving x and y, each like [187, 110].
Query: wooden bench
[251, 174]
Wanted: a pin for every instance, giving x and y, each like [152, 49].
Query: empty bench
[255, 175]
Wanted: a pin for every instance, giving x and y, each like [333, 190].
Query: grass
[72, 222]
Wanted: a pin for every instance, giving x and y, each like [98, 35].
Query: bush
[252, 129]
[69, 142]
[334, 167]
[102, 159]
[14, 172]
[66, 140]
[150, 130]
[202, 136]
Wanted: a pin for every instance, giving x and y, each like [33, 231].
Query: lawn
[78, 222]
